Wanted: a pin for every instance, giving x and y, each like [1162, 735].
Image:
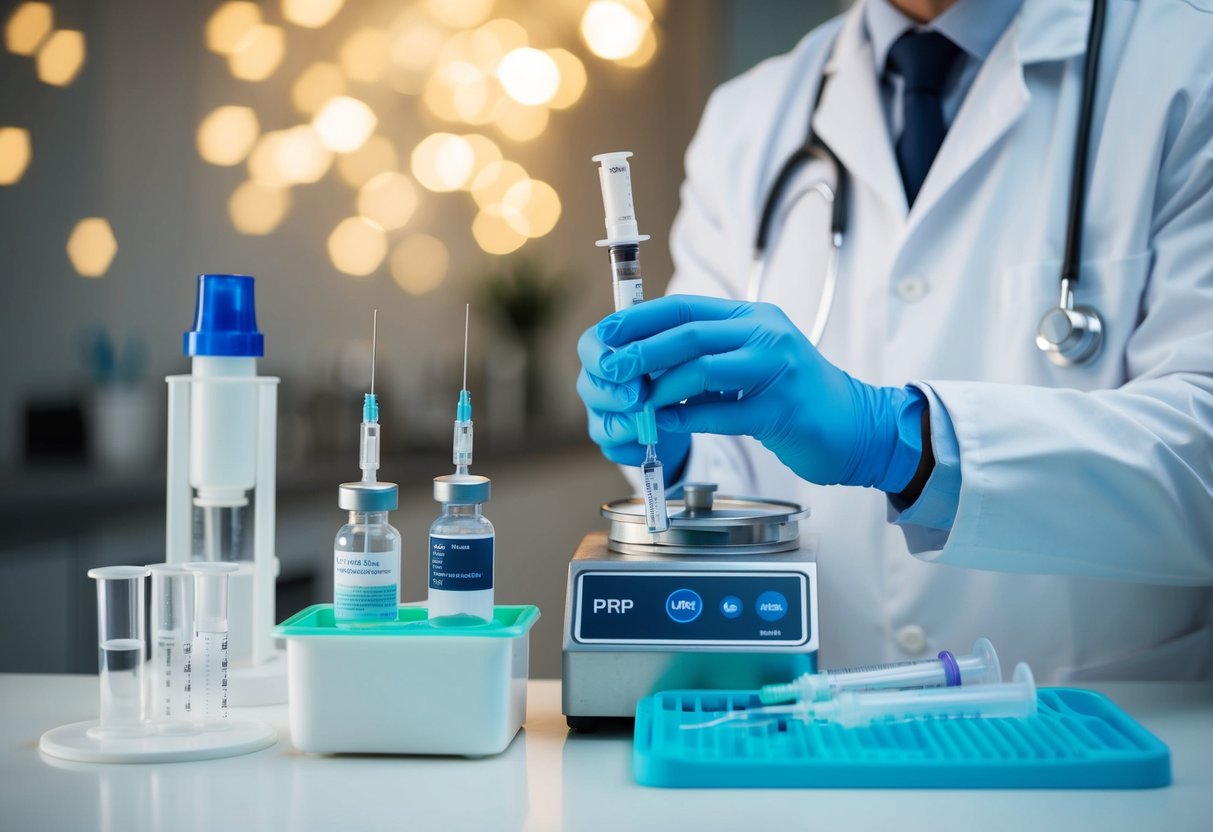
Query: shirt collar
[972, 25]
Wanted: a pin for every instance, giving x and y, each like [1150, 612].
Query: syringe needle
[374, 345]
[467, 310]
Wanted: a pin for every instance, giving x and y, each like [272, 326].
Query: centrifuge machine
[726, 598]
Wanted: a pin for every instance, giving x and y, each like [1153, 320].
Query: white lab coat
[1094, 484]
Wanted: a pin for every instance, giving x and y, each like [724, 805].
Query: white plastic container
[412, 687]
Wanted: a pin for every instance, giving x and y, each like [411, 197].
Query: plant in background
[524, 298]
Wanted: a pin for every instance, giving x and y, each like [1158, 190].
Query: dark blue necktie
[923, 60]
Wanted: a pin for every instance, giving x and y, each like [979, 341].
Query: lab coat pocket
[1113, 287]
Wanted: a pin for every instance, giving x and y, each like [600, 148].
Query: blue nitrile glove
[772, 384]
[611, 411]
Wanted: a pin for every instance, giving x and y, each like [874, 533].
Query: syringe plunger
[615, 176]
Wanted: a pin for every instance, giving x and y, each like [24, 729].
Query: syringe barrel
[1016, 698]
[368, 450]
[627, 282]
[462, 444]
[172, 624]
[615, 177]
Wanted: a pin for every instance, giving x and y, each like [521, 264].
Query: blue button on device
[771, 606]
[683, 605]
[730, 606]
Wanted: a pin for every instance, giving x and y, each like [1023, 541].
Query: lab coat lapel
[1045, 30]
[850, 119]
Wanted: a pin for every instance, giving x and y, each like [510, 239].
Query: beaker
[120, 641]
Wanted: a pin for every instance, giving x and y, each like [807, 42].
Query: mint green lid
[318, 620]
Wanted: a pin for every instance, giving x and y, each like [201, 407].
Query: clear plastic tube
[1014, 699]
[168, 677]
[981, 666]
[208, 656]
[120, 640]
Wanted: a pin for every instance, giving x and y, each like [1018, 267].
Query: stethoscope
[1068, 335]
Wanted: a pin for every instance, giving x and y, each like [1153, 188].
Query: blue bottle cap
[225, 318]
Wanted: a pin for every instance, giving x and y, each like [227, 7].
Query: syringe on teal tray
[979, 667]
[623, 245]
[1015, 699]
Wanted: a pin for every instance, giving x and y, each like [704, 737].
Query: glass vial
[462, 544]
[366, 556]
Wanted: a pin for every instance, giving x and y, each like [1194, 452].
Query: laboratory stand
[547, 779]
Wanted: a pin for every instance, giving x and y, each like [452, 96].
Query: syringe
[462, 447]
[948, 670]
[368, 450]
[623, 244]
[1014, 699]
[623, 234]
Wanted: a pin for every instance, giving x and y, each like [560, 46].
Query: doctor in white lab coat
[1067, 513]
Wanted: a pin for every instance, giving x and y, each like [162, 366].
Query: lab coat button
[911, 288]
[912, 638]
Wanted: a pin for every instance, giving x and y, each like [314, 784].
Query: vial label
[628, 293]
[461, 563]
[656, 515]
[366, 585]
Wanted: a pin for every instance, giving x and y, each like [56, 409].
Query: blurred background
[353, 155]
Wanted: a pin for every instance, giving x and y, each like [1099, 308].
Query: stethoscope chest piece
[1070, 336]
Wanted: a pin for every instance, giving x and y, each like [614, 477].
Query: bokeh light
[27, 26]
[572, 79]
[520, 122]
[229, 25]
[490, 43]
[460, 14]
[493, 232]
[490, 186]
[263, 165]
[530, 76]
[226, 135]
[15, 154]
[442, 162]
[644, 53]
[91, 247]
[614, 29]
[258, 54]
[531, 207]
[357, 246]
[458, 91]
[61, 57]
[344, 124]
[258, 209]
[376, 156]
[301, 157]
[311, 14]
[388, 200]
[315, 86]
[484, 153]
[366, 54]
[419, 263]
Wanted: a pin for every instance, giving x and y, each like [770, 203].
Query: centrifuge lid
[704, 524]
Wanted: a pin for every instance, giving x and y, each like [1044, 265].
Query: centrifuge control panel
[703, 608]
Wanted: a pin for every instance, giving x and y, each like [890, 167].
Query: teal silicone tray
[1079, 739]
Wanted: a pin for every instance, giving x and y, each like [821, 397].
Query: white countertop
[546, 780]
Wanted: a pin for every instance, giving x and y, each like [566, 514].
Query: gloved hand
[611, 410]
[771, 383]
